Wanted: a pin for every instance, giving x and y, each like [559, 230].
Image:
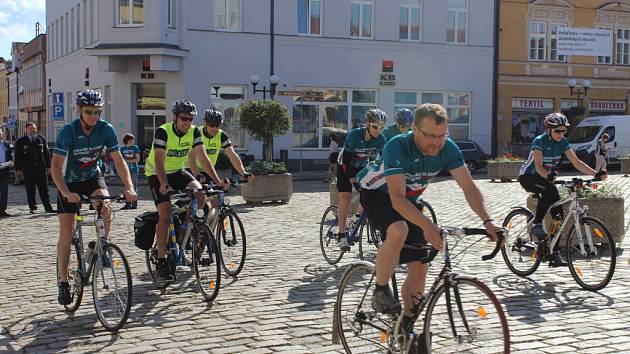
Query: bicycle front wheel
[111, 287]
[369, 241]
[328, 237]
[230, 235]
[465, 317]
[520, 252]
[593, 269]
[74, 279]
[206, 259]
[361, 328]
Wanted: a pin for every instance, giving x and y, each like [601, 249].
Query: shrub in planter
[505, 167]
[264, 119]
[271, 183]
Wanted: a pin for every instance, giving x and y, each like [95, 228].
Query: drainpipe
[495, 78]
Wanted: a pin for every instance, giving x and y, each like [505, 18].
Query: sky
[17, 22]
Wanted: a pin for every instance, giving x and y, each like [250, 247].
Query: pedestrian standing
[6, 162]
[32, 160]
[601, 152]
[333, 154]
[131, 153]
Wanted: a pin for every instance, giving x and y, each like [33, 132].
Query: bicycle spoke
[111, 287]
[594, 269]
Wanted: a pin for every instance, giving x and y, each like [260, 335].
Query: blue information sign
[58, 107]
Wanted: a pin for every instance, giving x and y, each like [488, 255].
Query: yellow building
[4, 93]
[534, 79]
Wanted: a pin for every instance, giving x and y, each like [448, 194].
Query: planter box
[607, 210]
[265, 188]
[504, 171]
[625, 166]
[334, 197]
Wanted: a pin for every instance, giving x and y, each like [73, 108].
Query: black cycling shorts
[344, 173]
[177, 180]
[85, 188]
[381, 214]
[332, 158]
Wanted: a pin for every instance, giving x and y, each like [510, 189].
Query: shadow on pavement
[315, 286]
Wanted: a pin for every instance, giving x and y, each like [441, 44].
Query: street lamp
[274, 80]
[586, 84]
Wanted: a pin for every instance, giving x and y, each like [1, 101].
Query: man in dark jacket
[32, 159]
[6, 162]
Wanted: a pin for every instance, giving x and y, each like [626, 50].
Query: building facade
[13, 82]
[533, 77]
[356, 55]
[32, 87]
[4, 92]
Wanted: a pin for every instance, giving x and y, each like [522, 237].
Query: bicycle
[462, 313]
[197, 237]
[110, 279]
[329, 226]
[523, 253]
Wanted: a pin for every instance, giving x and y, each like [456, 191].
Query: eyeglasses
[186, 118]
[93, 112]
[559, 131]
[376, 126]
[433, 136]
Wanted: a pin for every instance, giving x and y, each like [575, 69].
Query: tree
[264, 119]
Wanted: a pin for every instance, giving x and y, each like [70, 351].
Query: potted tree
[504, 168]
[265, 119]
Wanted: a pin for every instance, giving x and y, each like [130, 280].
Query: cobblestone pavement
[283, 300]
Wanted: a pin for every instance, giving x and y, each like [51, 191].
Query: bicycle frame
[86, 270]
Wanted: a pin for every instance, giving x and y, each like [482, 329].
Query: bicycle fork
[577, 216]
[450, 284]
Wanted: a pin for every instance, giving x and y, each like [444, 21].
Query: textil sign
[585, 41]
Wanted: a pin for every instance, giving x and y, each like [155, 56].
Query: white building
[359, 54]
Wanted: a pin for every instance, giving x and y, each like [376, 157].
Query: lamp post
[273, 82]
[586, 84]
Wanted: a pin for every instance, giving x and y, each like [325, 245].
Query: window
[457, 13]
[309, 17]
[553, 43]
[107, 109]
[410, 21]
[537, 40]
[227, 15]
[130, 12]
[172, 13]
[361, 18]
[227, 99]
[623, 46]
[605, 59]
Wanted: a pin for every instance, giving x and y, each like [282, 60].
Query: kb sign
[57, 106]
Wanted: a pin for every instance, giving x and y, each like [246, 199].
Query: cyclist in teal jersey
[361, 145]
[78, 145]
[538, 174]
[389, 189]
[404, 118]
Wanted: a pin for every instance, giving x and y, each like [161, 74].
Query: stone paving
[283, 300]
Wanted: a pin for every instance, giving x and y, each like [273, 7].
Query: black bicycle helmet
[90, 98]
[376, 116]
[404, 117]
[184, 106]
[555, 120]
[213, 116]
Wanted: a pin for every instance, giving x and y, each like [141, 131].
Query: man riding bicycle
[79, 144]
[404, 118]
[175, 144]
[538, 174]
[361, 145]
[389, 189]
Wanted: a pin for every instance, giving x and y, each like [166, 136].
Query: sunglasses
[91, 112]
[376, 126]
[186, 118]
[559, 131]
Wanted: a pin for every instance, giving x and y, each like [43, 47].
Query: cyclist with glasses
[362, 144]
[389, 190]
[404, 118]
[79, 145]
[538, 174]
[175, 144]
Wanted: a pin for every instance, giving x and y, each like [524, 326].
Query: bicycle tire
[356, 331]
[111, 262]
[482, 312]
[204, 241]
[74, 279]
[151, 256]
[233, 251]
[372, 240]
[520, 246]
[606, 243]
[328, 236]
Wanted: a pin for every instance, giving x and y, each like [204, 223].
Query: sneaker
[64, 297]
[163, 272]
[343, 244]
[557, 260]
[383, 301]
[539, 232]
[32, 211]
[49, 209]
[418, 344]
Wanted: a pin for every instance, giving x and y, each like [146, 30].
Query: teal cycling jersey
[129, 153]
[402, 156]
[391, 131]
[551, 150]
[357, 151]
[82, 152]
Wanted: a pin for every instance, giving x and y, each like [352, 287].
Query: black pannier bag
[144, 229]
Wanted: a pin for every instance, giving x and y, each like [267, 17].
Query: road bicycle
[358, 230]
[590, 248]
[462, 314]
[104, 267]
[189, 221]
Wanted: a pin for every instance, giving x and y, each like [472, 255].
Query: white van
[584, 137]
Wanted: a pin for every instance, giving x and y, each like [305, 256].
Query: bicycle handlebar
[577, 182]
[102, 198]
[468, 232]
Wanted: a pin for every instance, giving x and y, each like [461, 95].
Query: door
[147, 123]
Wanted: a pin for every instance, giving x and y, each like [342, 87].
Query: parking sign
[57, 107]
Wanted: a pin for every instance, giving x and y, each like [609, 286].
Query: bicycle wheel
[206, 259]
[361, 329]
[426, 209]
[111, 287]
[74, 279]
[328, 229]
[151, 258]
[593, 270]
[520, 251]
[475, 323]
[369, 241]
[230, 236]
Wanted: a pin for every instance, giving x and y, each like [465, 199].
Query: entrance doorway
[150, 112]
